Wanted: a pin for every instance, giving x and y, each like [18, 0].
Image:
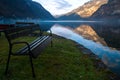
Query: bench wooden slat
[40, 48]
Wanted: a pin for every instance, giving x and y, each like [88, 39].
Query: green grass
[64, 61]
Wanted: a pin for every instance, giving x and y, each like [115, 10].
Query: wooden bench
[33, 48]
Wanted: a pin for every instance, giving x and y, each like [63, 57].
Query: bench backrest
[20, 31]
[24, 23]
[5, 26]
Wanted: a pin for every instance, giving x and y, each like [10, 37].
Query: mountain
[23, 9]
[110, 10]
[84, 11]
[88, 8]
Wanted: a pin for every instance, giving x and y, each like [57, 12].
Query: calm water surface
[102, 39]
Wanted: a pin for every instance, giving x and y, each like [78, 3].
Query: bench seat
[36, 47]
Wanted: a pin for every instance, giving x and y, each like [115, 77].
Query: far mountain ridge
[109, 10]
[83, 11]
[88, 8]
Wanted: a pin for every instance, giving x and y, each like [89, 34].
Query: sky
[59, 7]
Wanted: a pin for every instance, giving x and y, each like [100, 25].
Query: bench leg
[31, 62]
[0, 33]
[6, 71]
[51, 43]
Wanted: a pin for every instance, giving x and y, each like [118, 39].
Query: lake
[103, 39]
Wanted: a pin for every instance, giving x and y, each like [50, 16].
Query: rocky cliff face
[23, 9]
[89, 8]
[110, 10]
[84, 11]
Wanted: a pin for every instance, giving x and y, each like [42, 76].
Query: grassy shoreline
[64, 61]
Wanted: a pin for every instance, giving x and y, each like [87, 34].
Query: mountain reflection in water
[102, 40]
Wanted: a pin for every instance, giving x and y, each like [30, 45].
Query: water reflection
[110, 33]
[93, 39]
[87, 32]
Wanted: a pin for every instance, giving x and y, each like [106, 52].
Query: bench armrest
[28, 46]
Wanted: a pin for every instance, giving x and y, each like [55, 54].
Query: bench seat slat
[35, 44]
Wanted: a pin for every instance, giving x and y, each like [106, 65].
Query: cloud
[58, 7]
[63, 4]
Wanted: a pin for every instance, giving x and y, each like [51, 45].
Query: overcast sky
[58, 7]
